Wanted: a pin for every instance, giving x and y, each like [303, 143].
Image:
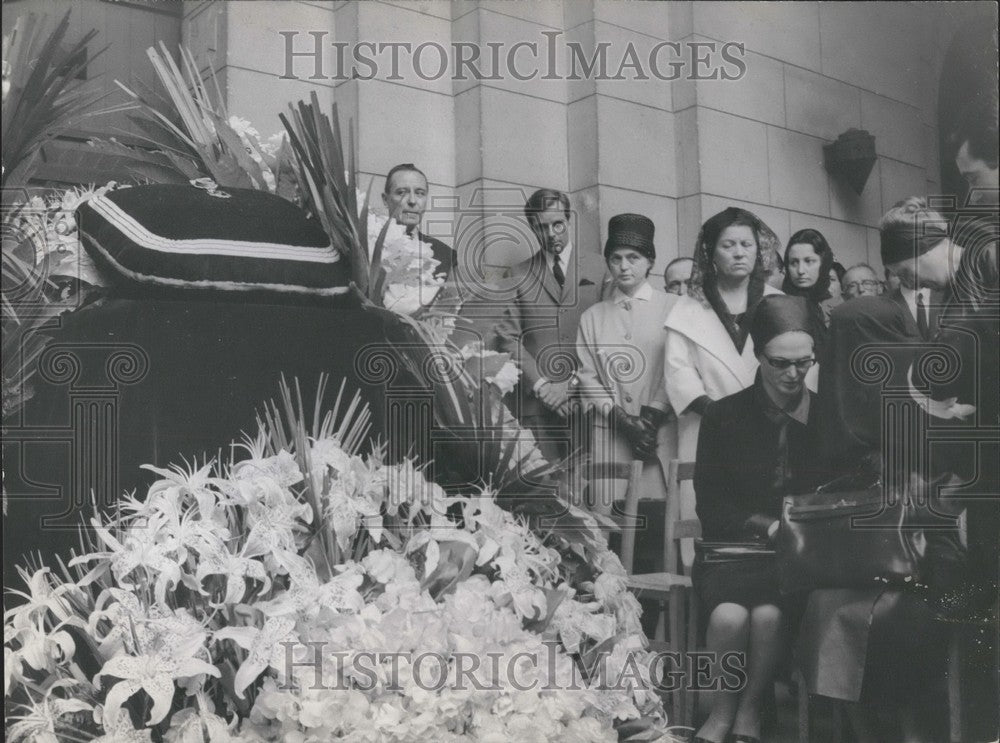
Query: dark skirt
[750, 583]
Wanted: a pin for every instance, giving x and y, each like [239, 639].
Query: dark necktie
[922, 318]
[557, 271]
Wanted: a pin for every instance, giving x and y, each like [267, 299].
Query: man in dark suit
[921, 246]
[405, 197]
[920, 309]
[548, 293]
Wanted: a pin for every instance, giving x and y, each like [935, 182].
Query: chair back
[680, 533]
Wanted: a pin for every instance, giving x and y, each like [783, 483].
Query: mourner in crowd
[917, 245]
[775, 268]
[808, 267]
[548, 293]
[860, 280]
[977, 157]
[754, 447]
[836, 289]
[710, 353]
[677, 276]
[978, 160]
[405, 196]
[620, 345]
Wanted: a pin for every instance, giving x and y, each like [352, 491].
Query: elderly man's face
[678, 277]
[406, 198]
[978, 174]
[551, 227]
[861, 282]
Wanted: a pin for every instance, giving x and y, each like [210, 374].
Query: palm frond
[329, 190]
[189, 126]
[45, 97]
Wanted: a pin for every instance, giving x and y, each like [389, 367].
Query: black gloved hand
[654, 417]
[640, 435]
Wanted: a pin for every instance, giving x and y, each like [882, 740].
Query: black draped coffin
[129, 380]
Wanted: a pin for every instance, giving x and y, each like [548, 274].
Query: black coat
[443, 253]
[737, 455]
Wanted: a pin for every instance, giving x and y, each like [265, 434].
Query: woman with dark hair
[709, 352]
[620, 344]
[808, 268]
[754, 447]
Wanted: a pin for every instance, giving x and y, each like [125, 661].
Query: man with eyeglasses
[861, 281]
[548, 293]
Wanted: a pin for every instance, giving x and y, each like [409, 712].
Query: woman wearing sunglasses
[754, 447]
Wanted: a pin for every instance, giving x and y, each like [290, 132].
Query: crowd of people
[745, 364]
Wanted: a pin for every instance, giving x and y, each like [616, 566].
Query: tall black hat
[631, 231]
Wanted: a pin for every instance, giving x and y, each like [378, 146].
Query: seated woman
[754, 447]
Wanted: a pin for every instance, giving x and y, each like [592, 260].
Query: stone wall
[677, 151]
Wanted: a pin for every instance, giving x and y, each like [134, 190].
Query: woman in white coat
[620, 344]
[709, 352]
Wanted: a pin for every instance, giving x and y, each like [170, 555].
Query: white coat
[620, 345]
[701, 359]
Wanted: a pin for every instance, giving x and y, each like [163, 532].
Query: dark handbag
[716, 553]
[846, 536]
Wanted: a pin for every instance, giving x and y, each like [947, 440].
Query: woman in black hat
[620, 344]
[754, 447]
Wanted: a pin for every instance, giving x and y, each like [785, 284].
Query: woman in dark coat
[754, 447]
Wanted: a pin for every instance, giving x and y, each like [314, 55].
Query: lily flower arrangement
[309, 592]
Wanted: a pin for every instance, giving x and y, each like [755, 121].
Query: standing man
[677, 276]
[405, 198]
[548, 293]
[921, 308]
[917, 246]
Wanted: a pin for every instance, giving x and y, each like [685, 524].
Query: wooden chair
[676, 629]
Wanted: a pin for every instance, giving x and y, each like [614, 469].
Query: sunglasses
[801, 365]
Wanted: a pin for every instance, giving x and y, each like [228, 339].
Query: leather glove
[640, 435]
[654, 417]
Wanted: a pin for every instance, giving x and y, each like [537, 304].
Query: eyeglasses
[556, 228]
[801, 365]
[866, 284]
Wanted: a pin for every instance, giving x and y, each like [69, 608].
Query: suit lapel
[569, 288]
[548, 280]
[908, 319]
